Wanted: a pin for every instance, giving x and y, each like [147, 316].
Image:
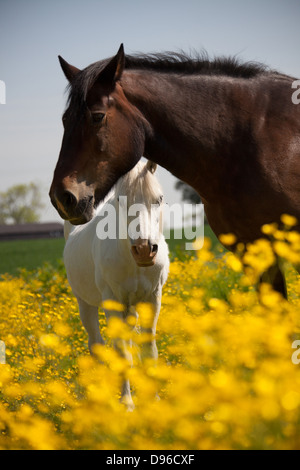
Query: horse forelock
[80, 86]
[139, 184]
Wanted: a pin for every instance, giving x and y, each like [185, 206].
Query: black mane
[168, 62]
[181, 63]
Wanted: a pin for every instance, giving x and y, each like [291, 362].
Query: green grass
[177, 247]
[31, 254]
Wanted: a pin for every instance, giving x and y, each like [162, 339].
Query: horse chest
[128, 286]
[138, 289]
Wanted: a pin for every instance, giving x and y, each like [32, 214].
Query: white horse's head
[140, 197]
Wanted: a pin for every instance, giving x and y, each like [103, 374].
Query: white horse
[128, 263]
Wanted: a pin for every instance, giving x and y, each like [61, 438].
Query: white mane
[139, 183]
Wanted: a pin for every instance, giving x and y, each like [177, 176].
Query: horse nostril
[68, 199]
[154, 248]
[64, 200]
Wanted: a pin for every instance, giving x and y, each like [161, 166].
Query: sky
[34, 32]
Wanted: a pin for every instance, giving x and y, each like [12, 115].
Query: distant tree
[188, 193]
[20, 204]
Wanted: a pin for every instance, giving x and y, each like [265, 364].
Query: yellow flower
[259, 256]
[146, 314]
[281, 248]
[50, 341]
[227, 239]
[269, 297]
[204, 254]
[269, 229]
[234, 262]
[291, 400]
[217, 304]
[112, 305]
[287, 252]
[289, 220]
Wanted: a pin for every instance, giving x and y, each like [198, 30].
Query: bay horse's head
[103, 138]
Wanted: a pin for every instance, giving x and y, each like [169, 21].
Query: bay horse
[129, 266]
[228, 129]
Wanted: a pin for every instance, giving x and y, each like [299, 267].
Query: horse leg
[90, 320]
[149, 348]
[121, 346]
[276, 278]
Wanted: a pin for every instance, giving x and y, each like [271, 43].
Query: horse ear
[69, 70]
[151, 166]
[114, 69]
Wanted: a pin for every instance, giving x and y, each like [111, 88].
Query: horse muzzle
[70, 207]
[144, 253]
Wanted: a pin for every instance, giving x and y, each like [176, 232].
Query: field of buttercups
[227, 374]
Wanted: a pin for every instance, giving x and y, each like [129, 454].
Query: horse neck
[192, 121]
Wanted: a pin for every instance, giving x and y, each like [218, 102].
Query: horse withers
[121, 255]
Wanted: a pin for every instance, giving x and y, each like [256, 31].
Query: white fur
[99, 270]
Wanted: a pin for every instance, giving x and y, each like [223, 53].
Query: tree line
[21, 204]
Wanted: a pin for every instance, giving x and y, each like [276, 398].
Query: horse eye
[97, 117]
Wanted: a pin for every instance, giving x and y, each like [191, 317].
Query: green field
[30, 254]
